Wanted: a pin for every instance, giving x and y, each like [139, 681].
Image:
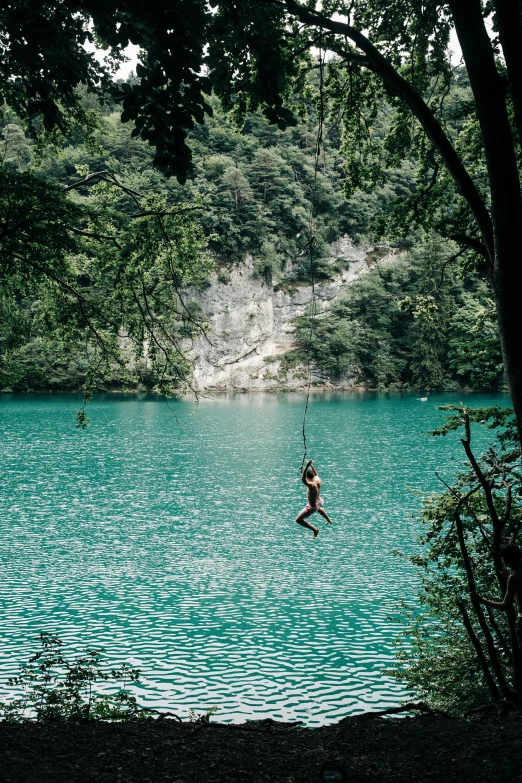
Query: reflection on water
[167, 536]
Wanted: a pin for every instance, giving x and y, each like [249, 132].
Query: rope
[318, 145]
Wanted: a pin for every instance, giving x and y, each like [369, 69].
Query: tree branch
[106, 176]
[442, 271]
[471, 242]
[81, 299]
[466, 442]
[509, 24]
[461, 500]
[419, 108]
[480, 653]
[493, 657]
[163, 212]
[351, 57]
[188, 314]
[155, 321]
[513, 536]
[101, 237]
[498, 632]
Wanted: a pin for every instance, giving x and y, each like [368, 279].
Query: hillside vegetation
[413, 322]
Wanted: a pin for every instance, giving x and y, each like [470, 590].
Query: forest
[421, 322]
[269, 130]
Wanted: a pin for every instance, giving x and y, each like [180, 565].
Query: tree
[410, 60]
[15, 147]
[43, 59]
[458, 655]
[255, 55]
[413, 322]
[235, 180]
[40, 350]
[102, 264]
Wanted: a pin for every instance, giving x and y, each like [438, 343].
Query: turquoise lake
[165, 534]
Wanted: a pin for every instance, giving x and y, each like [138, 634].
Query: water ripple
[173, 545]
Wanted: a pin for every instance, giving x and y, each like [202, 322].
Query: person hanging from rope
[315, 503]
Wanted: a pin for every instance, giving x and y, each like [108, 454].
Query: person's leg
[301, 520]
[323, 513]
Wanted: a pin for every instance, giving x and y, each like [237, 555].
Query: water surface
[166, 534]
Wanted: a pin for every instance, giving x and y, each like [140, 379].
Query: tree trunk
[508, 16]
[489, 91]
[502, 231]
[493, 656]
[490, 682]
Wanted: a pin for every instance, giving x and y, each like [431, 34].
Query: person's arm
[508, 598]
[312, 468]
[303, 474]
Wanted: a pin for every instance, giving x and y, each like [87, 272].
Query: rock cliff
[252, 324]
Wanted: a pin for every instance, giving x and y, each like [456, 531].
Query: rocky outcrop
[252, 324]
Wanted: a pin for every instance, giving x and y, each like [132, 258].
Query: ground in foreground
[368, 749]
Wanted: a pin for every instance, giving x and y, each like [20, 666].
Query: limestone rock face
[252, 324]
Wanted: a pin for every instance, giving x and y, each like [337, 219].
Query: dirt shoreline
[424, 748]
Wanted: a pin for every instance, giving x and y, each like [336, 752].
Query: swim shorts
[308, 510]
